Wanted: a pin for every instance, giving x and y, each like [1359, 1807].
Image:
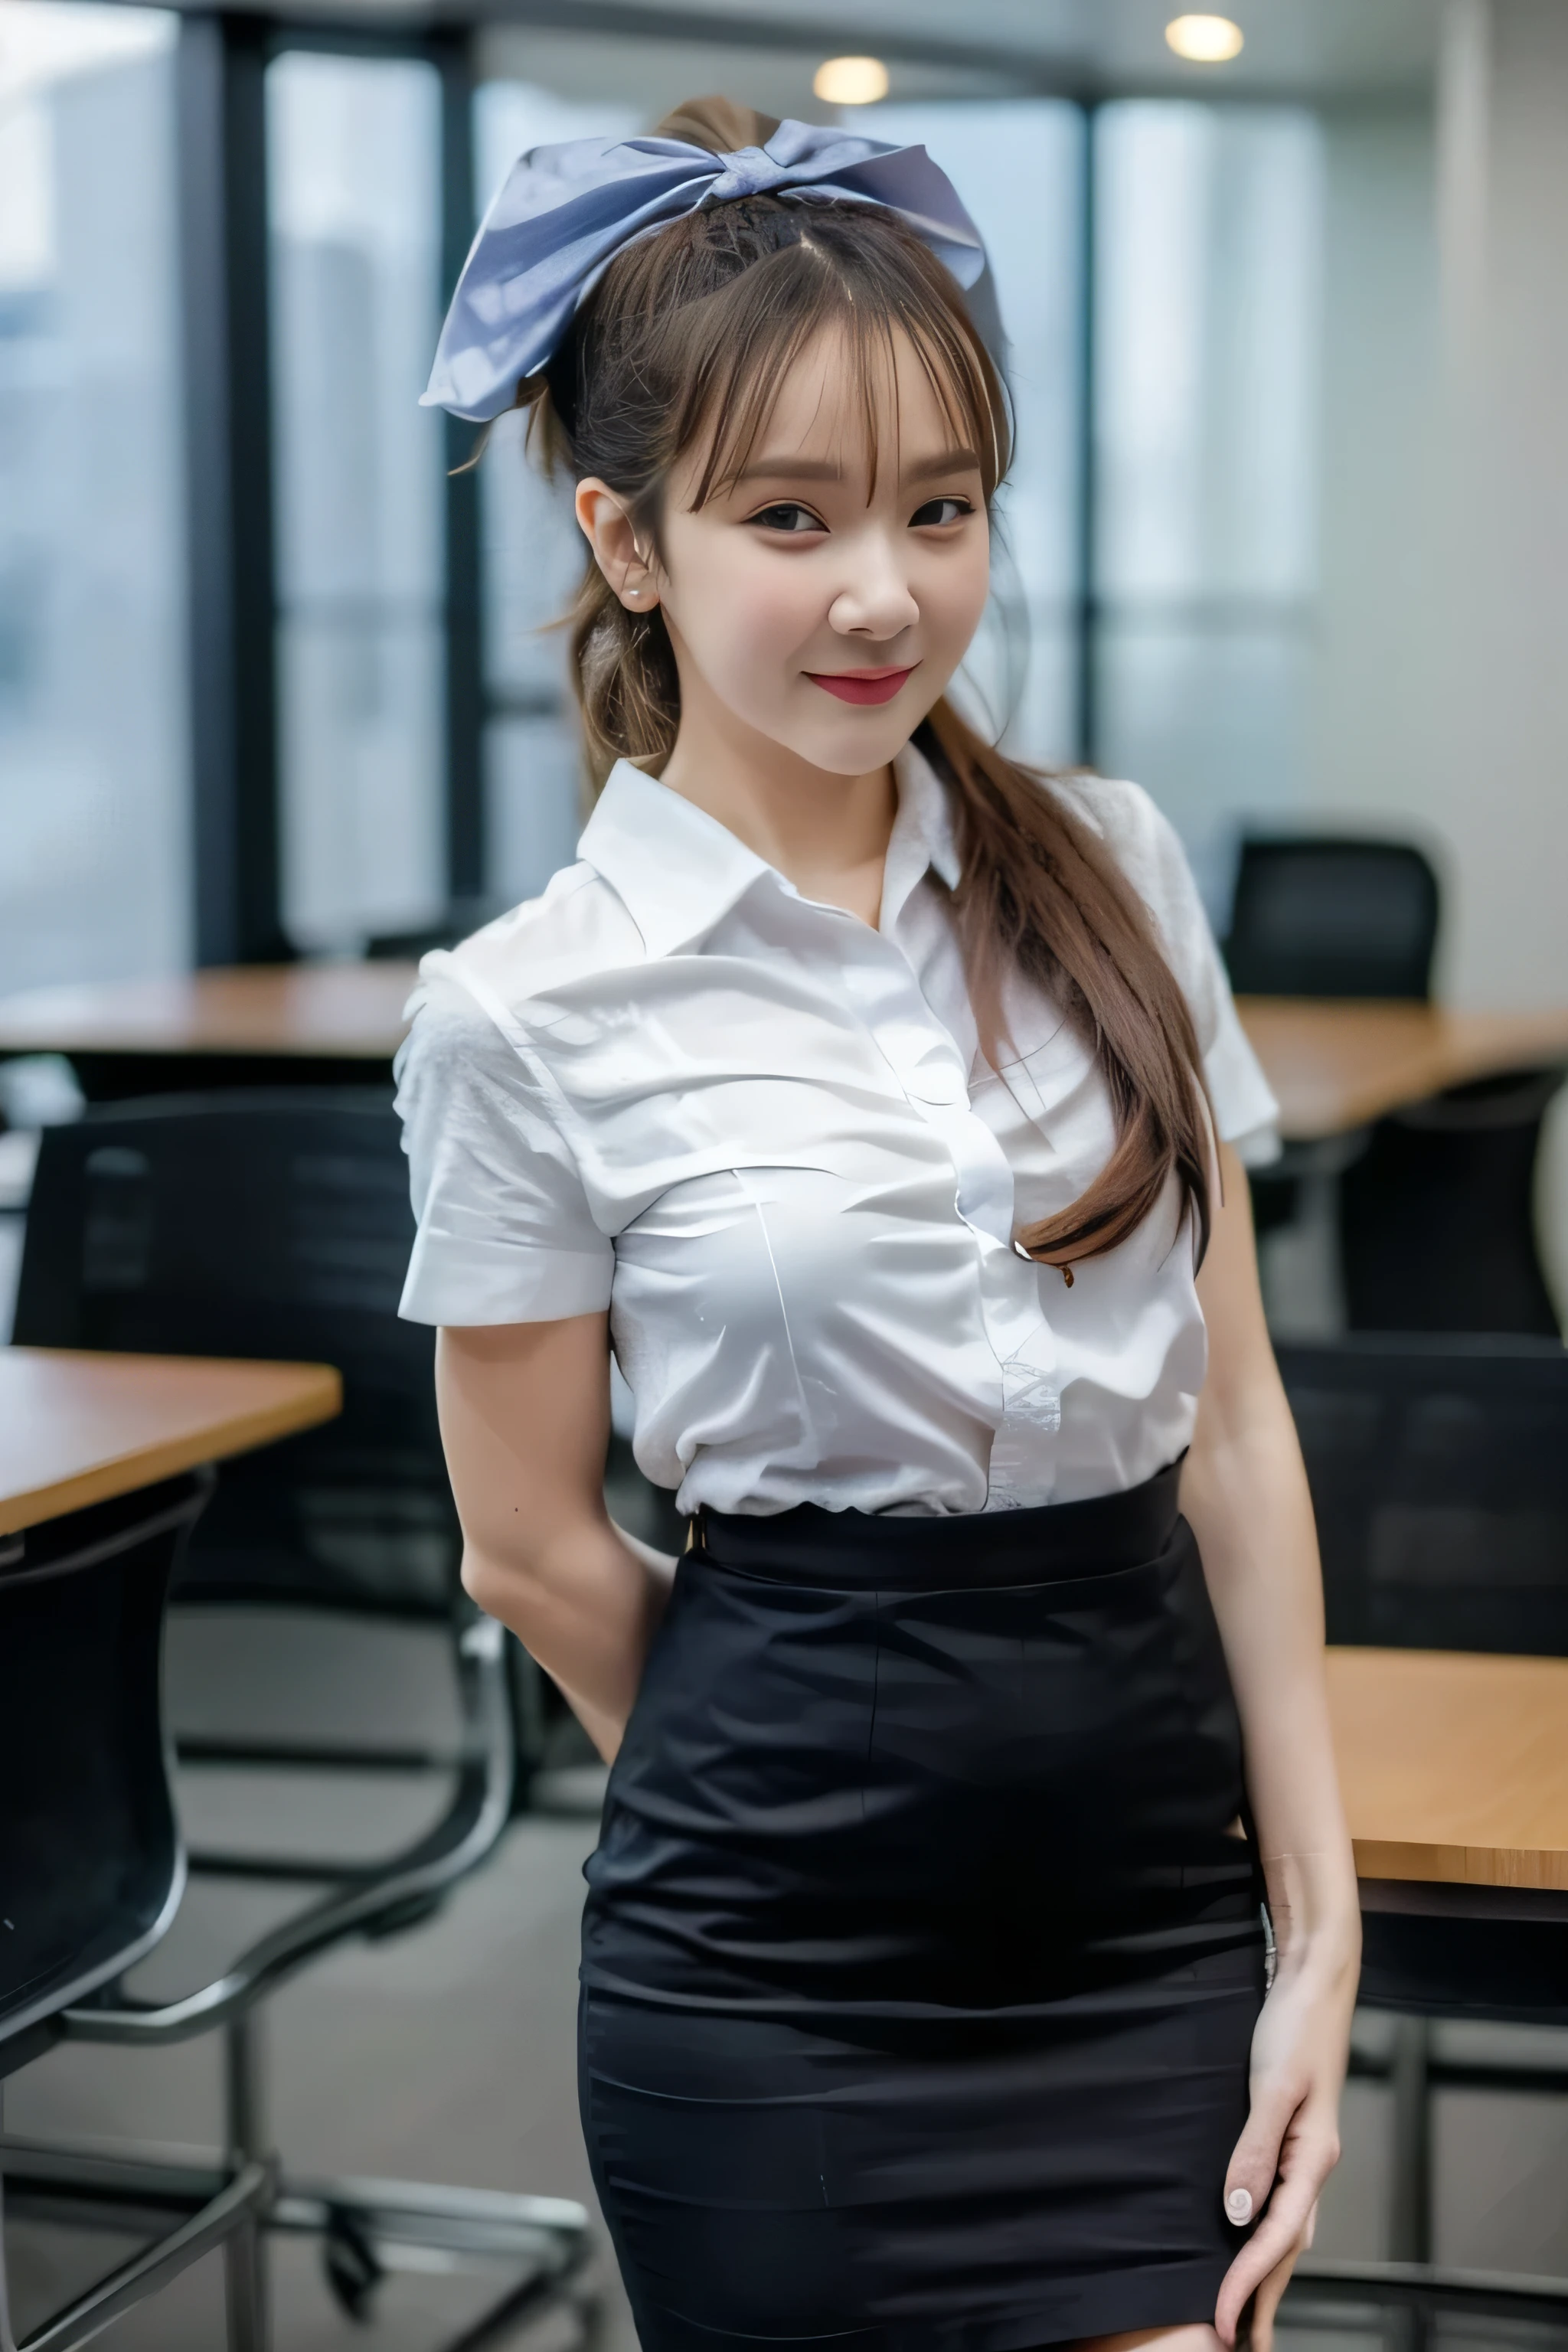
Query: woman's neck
[826, 834]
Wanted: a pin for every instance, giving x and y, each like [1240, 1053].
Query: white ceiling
[1353, 47]
[1329, 49]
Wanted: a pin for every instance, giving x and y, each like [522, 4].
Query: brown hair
[682, 343]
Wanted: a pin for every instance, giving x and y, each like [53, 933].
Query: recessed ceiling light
[1204, 40]
[851, 81]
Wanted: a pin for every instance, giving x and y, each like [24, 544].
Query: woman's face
[823, 611]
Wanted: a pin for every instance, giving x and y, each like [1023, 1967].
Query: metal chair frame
[231, 2198]
[366, 2225]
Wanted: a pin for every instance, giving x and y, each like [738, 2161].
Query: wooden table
[78, 1428]
[1335, 1066]
[340, 1024]
[1455, 1768]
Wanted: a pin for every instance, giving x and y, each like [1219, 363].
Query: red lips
[861, 685]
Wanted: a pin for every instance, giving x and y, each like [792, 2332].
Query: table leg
[245, 2253]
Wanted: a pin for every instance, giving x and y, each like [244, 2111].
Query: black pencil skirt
[921, 1958]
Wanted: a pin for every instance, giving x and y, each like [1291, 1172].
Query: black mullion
[466, 846]
[228, 489]
[1087, 601]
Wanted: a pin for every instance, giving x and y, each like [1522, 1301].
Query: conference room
[292, 698]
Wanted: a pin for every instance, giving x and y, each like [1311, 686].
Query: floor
[447, 2054]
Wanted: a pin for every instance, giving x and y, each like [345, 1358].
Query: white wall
[1501, 591]
[1442, 687]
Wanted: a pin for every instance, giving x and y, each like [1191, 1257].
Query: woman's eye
[939, 510]
[786, 515]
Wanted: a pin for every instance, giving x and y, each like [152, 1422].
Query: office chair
[277, 1224]
[1439, 1477]
[1437, 1215]
[92, 1865]
[1313, 915]
[1316, 916]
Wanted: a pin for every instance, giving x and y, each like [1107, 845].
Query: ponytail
[1041, 893]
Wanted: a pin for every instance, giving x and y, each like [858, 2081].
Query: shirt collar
[678, 871]
[922, 837]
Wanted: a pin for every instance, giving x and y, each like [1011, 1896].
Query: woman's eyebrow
[822, 469]
[790, 469]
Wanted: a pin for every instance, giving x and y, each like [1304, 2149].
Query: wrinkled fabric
[763, 1135]
[564, 212]
[920, 1969]
[898, 1768]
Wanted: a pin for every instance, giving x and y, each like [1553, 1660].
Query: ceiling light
[1204, 40]
[851, 81]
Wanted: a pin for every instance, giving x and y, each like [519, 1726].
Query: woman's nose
[875, 599]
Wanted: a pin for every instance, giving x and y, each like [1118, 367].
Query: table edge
[1518, 1870]
[123, 1474]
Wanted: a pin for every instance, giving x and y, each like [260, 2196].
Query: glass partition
[353, 190]
[533, 556]
[1207, 265]
[94, 849]
[1018, 165]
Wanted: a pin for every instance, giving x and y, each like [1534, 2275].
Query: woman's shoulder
[514, 973]
[1123, 815]
[1146, 846]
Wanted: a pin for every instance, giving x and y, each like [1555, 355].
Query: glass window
[1208, 228]
[1018, 165]
[532, 558]
[93, 756]
[353, 172]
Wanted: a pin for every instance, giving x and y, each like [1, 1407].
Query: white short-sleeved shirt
[764, 1136]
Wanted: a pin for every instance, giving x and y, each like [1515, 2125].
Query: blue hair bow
[565, 212]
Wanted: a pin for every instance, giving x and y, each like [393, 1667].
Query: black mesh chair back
[1439, 1478]
[90, 1867]
[1437, 1215]
[272, 1224]
[1316, 917]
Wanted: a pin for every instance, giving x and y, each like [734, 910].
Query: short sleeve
[505, 1231]
[1147, 848]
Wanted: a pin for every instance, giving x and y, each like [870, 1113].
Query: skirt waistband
[1051, 1542]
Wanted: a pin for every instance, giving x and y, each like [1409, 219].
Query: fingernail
[1238, 2205]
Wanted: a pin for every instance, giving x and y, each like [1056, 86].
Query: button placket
[926, 1061]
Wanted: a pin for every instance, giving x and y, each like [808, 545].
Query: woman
[878, 1102]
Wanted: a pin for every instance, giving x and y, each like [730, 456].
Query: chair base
[216, 2220]
[372, 2226]
[1422, 2293]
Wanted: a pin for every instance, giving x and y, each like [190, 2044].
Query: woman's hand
[1244, 1491]
[1291, 2141]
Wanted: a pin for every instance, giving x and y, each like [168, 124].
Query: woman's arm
[525, 1419]
[1244, 1489]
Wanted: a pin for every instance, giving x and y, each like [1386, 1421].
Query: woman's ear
[608, 527]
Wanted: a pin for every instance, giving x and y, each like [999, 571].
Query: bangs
[726, 350]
